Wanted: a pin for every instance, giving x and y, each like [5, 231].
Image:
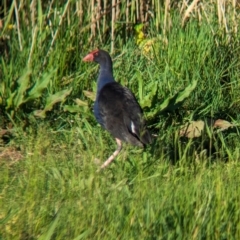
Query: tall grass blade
[40, 15]
[82, 235]
[50, 232]
[9, 16]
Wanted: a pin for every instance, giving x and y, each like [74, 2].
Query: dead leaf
[195, 128]
[192, 129]
[3, 132]
[222, 124]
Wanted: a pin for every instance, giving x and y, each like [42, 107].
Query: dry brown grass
[10, 155]
[103, 18]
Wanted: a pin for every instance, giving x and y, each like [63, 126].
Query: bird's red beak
[88, 58]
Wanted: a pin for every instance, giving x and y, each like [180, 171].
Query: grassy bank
[55, 193]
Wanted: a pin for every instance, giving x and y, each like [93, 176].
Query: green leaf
[51, 100]
[39, 86]
[55, 98]
[23, 84]
[40, 113]
[90, 95]
[186, 92]
[173, 102]
[72, 109]
[147, 101]
[81, 103]
[10, 100]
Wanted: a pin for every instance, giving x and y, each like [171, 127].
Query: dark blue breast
[97, 113]
[104, 78]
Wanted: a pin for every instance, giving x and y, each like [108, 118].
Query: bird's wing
[120, 111]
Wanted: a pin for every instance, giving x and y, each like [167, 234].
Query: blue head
[104, 60]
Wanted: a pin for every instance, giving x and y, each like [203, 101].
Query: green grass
[55, 193]
[177, 188]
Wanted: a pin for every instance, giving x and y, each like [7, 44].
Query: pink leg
[110, 159]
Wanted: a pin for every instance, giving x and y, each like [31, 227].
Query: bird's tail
[145, 137]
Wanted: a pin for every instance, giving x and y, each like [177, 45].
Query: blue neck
[105, 76]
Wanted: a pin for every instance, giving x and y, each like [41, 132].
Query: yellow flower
[10, 26]
[139, 34]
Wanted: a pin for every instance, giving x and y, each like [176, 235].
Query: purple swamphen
[116, 108]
